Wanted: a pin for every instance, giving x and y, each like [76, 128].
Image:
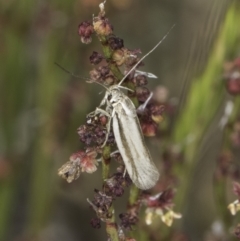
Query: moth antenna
[76, 76]
[125, 88]
[80, 77]
[105, 87]
[129, 72]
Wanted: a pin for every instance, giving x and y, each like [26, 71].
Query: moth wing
[136, 157]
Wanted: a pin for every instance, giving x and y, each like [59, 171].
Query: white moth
[128, 134]
[129, 138]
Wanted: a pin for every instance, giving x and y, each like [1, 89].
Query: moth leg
[114, 152]
[125, 171]
[108, 126]
[98, 111]
[142, 107]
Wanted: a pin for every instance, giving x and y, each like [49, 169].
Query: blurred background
[41, 106]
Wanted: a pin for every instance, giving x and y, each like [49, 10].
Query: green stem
[111, 228]
[133, 196]
[106, 162]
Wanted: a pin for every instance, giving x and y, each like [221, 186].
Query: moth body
[129, 138]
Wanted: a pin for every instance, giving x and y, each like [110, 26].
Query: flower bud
[119, 56]
[94, 75]
[109, 80]
[102, 26]
[141, 80]
[149, 129]
[85, 30]
[156, 111]
[233, 86]
[142, 93]
[104, 70]
[95, 58]
[96, 223]
[115, 43]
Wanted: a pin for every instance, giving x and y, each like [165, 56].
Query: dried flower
[166, 217]
[104, 70]
[99, 74]
[128, 220]
[116, 183]
[233, 86]
[101, 204]
[160, 205]
[109, 80]
[95, 58]
[95, 75]
[232, 76]
[85, 30]
[102, 200]
[149, 128]
[70, 171]
[142, 93]
[79, 162]
[115, 43]
[102, 26]
[140, 80]
[120, 56]
[237, 231]
[234, 207]
[94, 132]
[163, 199]
[236, 189]
[96, 223]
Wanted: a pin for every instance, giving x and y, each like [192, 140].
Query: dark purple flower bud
[128, 220]
[118, 191]
[102, 200]
[141, 80]
[236, 189]
[237, 231]
[115, 43]
[96, 223]
[85, 30]
[104, 70]
[95, 58]
[142, 93]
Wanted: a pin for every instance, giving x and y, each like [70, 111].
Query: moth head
[114, 94]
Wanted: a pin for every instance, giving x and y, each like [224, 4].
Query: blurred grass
[31, 87]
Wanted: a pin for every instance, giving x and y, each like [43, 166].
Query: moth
[129, 137]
